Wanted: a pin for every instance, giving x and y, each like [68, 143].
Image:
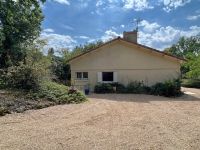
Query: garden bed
[49, 94]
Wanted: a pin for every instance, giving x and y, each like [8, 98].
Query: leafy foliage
[84, 48]
[60, 94]
[193, 66]
[103, 88]
[3, 111]
[191, 83]
[169, 88]
[28, 75]
[59, 66]
[22, 77]
[135, 87]
[185, 47]
[188, 48]
[19, 26]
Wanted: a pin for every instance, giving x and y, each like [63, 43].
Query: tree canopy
[20, 25]
[84, 48]
[188, 48]
[185, 47]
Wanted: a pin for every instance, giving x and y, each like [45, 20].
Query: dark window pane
[85, 75]
[78, 75]
[107, 76]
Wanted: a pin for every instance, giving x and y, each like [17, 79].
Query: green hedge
[191, 83]
[169, 88]
[103, 88]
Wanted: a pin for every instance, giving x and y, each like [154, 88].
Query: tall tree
[185, 47]
[86, 47]
[188, 48]
[20, 25]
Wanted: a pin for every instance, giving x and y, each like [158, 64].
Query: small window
[107, 76]
[78, 75]
[85, 75]
[82, 75]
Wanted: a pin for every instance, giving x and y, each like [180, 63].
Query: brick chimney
[130, 36]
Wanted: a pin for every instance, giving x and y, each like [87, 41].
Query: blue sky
[69, 23]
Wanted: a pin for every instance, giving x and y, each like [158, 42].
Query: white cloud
[163, 37]
[140, 5]
[149, 27]
[99, 12]
[109, 34]
[92, 40]
[113, 28]
[137, 5]
[173, 4]
[99, 3]
[194, 17]
[65, 2]
[49, 30]
[82, 37]
[122, 26]
[58, 41]
[67, 27]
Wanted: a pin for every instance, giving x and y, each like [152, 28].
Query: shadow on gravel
[142, 97]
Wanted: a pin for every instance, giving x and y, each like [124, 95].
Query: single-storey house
[123, 60]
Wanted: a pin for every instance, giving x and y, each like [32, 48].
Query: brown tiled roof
[140, 45]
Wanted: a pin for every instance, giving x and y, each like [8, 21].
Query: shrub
[3, 111]
[60, 93]
[157, 89]
[172, 88]
[23, 77]
[2, 80]
[2, 84]
[103, 88]
[120, 88]
[191, 83]
[135, 87]
[168, 88]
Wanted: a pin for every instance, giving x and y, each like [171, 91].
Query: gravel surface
[110, 121]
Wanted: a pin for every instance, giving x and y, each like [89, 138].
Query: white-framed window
[107, 77]
[82, 75]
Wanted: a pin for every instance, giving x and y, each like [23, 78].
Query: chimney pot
[130, 36]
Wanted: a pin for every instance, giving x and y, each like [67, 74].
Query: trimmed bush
[191, 83]
[120, 88]
[60, 94]
[169, 88]
[135, 87]
[157, 89]
[103, 88]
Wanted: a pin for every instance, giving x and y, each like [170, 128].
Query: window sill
[107, 82]
[82, 79]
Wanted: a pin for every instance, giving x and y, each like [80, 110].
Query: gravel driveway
[110, 121]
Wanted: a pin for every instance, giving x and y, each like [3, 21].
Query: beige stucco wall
[130, 62]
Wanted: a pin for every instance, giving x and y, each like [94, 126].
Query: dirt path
[108, 122]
